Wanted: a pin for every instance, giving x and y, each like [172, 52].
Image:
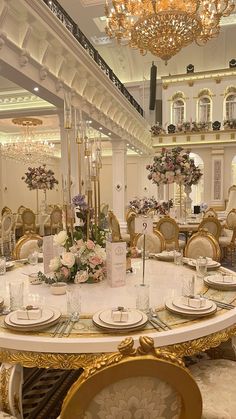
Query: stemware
[201, 266]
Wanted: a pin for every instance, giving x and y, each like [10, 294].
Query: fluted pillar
[119, 175]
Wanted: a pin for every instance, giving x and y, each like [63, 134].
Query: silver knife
[66, 324]
[155, 324]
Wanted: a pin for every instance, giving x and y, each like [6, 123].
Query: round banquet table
[87, 342]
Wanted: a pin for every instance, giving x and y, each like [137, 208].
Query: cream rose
[55, 264]
[60, 238]
[81, 276]
[68, 259]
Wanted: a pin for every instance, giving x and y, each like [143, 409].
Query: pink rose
[65, 272]
[79, 243]
[95, 260]
[90, 245]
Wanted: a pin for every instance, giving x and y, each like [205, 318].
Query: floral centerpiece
[173, 165]
[40, 178]
[84, 261]
[157, 129]
[143, 205]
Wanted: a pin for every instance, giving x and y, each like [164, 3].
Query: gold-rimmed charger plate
[31, 328]
[134, 317]
[47, 314]
[187, 313]
[219, 286]
[99, 323]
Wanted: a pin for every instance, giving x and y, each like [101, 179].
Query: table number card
[143, 225]
[48, 252]
[116, 263]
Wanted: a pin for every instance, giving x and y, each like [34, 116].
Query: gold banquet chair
[212, 225]
[55, 224]
[210, 211]
[142, 382]
[26, 245]
[203, 244]
[228, 240]
[131, 226]
[11, 383]
[28, 221]
[170, 230]
[6, 232]
[114, 227]
[154, 243]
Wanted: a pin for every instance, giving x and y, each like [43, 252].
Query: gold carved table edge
[74, 361]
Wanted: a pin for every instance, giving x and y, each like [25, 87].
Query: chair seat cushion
[216, 380]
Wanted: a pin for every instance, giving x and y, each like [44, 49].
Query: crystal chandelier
[164, 27]
[27, 148]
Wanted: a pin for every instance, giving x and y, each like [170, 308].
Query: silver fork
[156, 316]
[73, 320]
[58, 327]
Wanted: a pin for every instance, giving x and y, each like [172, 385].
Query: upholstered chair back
[154, 243]
[169, 229]
[131, 226]
[231, 198]
[203, 244]
[211, 212]
[114, 226]
[26, 245]
[6, 210]
[231, 219]
[212, 225]
[56, 219]
[134, 384]
[6, 225]
[104, 209]
[28, 220]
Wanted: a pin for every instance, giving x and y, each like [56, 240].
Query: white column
[119, 170]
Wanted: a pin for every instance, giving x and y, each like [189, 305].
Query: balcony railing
[73, 28]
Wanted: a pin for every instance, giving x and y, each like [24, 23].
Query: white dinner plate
[134, 317]
[179, 303]
[186, 312]
[220, 286]
[210, 264]
[166, 256]
[98, 322]
[34, 327]
[217, 279]
[47, 314]
[10, 264]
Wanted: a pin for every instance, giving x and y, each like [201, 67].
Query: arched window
[178, 112]
[204, 109]
[230, 107]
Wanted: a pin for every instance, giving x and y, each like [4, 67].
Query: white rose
[60, 238]
[100, 252]
[68, 259]
[81, 276]
[55, 264]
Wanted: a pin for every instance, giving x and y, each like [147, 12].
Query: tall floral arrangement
[143, 205]
[173, 165]
[40, 178]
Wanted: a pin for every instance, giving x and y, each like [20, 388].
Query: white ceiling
[130, 66]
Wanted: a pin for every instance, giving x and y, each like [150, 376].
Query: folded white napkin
[120, 314]
[29, 313]
[194, 302]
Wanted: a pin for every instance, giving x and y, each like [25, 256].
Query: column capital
[118, 144]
